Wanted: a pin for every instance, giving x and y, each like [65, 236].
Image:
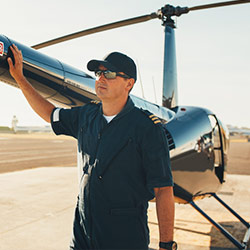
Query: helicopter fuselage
[198, 141]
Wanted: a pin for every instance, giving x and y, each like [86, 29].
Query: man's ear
[130, 84]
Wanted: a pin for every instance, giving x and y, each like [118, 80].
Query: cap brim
[94, 65]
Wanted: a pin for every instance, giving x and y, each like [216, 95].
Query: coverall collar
[128, 107]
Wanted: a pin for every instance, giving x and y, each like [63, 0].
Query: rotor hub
[166, 12]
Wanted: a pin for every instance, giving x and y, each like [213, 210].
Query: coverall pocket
[124, 211]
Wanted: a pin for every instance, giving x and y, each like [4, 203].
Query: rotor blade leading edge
[96, 29]
[221, 4]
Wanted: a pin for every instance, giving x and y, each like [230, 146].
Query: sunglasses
[109, 74]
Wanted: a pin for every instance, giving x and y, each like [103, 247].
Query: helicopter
[198, 140]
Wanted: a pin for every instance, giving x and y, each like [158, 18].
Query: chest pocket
[119, 151]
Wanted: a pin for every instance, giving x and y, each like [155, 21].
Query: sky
[212, 47]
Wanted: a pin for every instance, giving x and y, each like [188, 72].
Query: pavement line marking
[37, 152]
[32, 158]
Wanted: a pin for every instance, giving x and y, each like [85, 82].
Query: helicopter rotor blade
[135, 20]
[215, 5]
[97, 29]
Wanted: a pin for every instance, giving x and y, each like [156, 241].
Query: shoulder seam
[155, 119]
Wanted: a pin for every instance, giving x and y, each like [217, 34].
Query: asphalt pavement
[37, 204]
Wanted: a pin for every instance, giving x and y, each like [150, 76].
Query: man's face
[112, 89]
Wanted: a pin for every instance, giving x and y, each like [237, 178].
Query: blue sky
[213, 53]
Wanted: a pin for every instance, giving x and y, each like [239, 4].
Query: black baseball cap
[116, 62]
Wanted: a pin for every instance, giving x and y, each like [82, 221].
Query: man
[124, 155]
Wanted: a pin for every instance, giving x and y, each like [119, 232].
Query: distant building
[239, 131]
[29, 129]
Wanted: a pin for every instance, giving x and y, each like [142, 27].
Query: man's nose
[102, 76]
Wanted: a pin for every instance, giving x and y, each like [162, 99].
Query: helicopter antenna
[154, 89]
[139, 73]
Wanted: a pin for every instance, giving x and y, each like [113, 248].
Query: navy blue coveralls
[123, 161]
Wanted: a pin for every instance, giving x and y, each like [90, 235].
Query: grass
[3, 128]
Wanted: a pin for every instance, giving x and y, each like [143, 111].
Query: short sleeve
[65, 121]
[156, 160]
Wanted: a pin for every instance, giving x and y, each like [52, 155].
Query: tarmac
[37, 207]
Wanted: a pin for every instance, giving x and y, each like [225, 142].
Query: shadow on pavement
[219, 241]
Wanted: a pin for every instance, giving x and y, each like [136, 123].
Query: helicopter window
[216, 141]
[217, 147]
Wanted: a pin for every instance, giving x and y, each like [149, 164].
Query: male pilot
[125, 159]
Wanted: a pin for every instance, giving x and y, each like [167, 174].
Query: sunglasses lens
[110, 75]
[98, 73]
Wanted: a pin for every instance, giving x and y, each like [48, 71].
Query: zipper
[101, 176]
[87, 170]
[90, 178]
[90, 214]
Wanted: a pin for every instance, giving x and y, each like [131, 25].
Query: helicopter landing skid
[237, 243]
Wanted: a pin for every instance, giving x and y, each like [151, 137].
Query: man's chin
[101, 96]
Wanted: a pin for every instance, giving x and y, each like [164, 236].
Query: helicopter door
[217, 139]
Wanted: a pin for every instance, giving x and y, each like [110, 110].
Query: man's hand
[16, 70]
[39, 104]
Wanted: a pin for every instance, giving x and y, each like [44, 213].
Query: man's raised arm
[39, 104]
